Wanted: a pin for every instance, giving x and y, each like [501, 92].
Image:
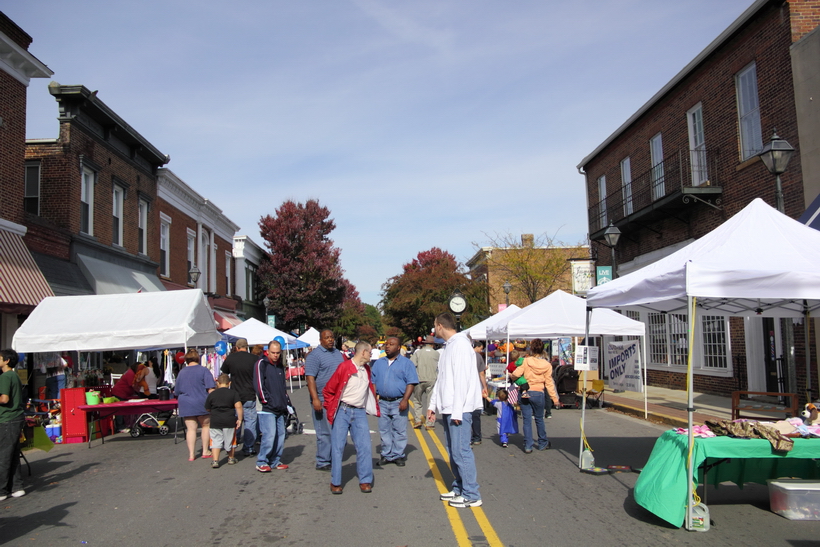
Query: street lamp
[194, 274]
[776, 155]
[611, 235]
[507, 288]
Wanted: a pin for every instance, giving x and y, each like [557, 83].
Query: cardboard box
[590, 376]
[795, 499]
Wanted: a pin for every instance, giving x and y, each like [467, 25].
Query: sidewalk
[669, 405]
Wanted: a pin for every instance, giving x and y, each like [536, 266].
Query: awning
[22, 284]
[811, 216]
[109, 278]
[226, 320]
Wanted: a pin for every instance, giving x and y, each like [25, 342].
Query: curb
[674, 421]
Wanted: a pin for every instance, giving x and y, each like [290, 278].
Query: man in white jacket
[456, 394]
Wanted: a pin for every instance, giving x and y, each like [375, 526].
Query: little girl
[507, 416]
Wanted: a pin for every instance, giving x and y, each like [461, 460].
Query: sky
[419, 124]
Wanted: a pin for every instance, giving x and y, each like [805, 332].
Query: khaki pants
[421, 400]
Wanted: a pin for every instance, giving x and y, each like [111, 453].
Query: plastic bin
[795, 499]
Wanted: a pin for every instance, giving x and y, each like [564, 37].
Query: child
[515, 362]
[226, 416]
[507, 416]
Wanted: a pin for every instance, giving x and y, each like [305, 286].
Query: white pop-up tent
[310, 337]
[257, 332]
[758, 263]
[118, 322]
[479, 330]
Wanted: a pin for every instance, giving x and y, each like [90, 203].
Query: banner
[623, 366]
[586, 358]
[583, 276]
[604, 274]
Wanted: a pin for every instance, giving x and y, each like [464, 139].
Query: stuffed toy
[810, 414]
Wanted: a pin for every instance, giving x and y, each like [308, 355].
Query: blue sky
[419, 124]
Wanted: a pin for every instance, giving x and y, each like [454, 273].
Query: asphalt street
[144, 492]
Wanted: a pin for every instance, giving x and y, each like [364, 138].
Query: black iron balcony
[680, 180]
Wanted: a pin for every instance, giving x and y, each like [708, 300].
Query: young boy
[226, 417]
[507, 417]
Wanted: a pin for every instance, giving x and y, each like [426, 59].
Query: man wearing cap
[320, 365]
[239, 365]
[394, 377]
[426, 361]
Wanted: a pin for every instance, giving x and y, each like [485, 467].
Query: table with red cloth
[129, 407]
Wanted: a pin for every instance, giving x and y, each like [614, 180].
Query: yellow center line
[489, 532]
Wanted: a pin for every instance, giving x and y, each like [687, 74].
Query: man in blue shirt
[394, 377]
[320, 365]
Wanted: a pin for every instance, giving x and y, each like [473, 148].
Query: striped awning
[22, 284]
[226, 320]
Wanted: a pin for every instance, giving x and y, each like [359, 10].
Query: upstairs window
[87, 201]
[142, 228]
[119, 197]
[748, 110]
[697, 145]
[228, 263]
[602, 218]
[31, 198]
[164, 245]
[626, 184]
[658, 176]
[191, 252]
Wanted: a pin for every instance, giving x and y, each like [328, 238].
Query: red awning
[22, 284]
[226, 320]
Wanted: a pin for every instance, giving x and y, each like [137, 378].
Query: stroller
[152, 422]
[566, 384]
[292, 424]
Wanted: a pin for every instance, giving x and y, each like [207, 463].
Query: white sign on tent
[623, 366]
[586, 358]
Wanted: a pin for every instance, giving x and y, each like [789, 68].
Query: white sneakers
[459, 501]
[18, 494]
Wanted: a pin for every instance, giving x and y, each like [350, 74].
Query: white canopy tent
[758, 263]
[479, 330]
[257, 332]
[118, 322]
[310, 337]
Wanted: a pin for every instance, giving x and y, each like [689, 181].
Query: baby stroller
[566, 383]
[152, 422]
[292, 424]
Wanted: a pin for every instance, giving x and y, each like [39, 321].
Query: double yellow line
[452, 513]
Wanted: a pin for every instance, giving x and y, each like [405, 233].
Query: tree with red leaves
[412, 299]
[303, 277]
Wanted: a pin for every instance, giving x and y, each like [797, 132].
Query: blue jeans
[392, 429]
[353, 420]
[272, 427]
[535, 409]
[250, 429]
[54, 385]
[322, 428]
[462, 461]
[11, 480]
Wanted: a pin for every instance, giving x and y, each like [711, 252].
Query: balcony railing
[681, 171]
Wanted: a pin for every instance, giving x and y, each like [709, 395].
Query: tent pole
[807, 345]
[645, 375]
[583, 408]
[690, 411]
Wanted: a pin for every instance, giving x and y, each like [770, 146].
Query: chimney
[527, 240]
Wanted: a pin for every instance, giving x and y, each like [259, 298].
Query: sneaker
[263, 468]
[18, 494]
[463, 502]
[448, 496]
[528, 451]
[214, 465]
[231, 461]
[280, 466]
[546, 446]
[549, 416]
[503, 445]
[3, 497]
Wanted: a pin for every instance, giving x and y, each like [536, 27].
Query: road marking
[489, 532]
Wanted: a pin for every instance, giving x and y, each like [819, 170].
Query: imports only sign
[622, 366]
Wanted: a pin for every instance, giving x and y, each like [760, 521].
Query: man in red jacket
[349, 396]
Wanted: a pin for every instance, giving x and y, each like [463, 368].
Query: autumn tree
[352, 315]
[303, 277]
[412, 299]
[535, 267]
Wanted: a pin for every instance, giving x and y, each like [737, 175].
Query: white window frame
[250, 282]
[205, 257]
[748, 112]
[87, 183]
[657, 173]
[190, 254]
[228, 263]
[164, 245]
[626, 185]
[697, 145]
[29, 192]
[142, 227]
[118, 199]
[602, 216]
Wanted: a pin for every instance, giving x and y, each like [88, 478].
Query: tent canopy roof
[759, 262]
[479, 330]
[311, 336]
[118, 322]
[257, 332]
[562, 314]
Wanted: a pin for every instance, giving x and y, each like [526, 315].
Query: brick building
[22, 285]
[688, 160]
[248, 256]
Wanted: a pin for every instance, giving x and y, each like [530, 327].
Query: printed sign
[583, 276]
[586, 358]
[623, 366]
[272, 321]
[604, 274]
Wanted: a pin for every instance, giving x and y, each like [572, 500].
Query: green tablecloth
[661, 487]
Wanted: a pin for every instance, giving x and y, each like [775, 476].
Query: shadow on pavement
[15, 527]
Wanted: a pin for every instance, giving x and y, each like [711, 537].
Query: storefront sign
[272, 321]
[583, 276]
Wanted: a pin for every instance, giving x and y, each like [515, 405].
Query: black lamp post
[266, 303]
[507, 288]
[611, 235]
[776, 155]
[194, 274]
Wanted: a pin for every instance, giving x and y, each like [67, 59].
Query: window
[656, 157]
[116, 209]
[142, 227]
[87, 201]
[602, 201]
[697, 146]
[626, 184]
[191, 253]
[748, 110]
[31, 198]
[164, 245]
[668, 341]
[715, 350]
[668, 338]
[228, 262]
[250, 283]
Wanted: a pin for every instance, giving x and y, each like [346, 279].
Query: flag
[512, 394]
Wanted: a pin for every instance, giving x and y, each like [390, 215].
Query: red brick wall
[12, 146]
[805, 16]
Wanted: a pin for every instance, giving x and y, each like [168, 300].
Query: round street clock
[458, 303]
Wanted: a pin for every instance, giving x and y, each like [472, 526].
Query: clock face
[458, 304]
